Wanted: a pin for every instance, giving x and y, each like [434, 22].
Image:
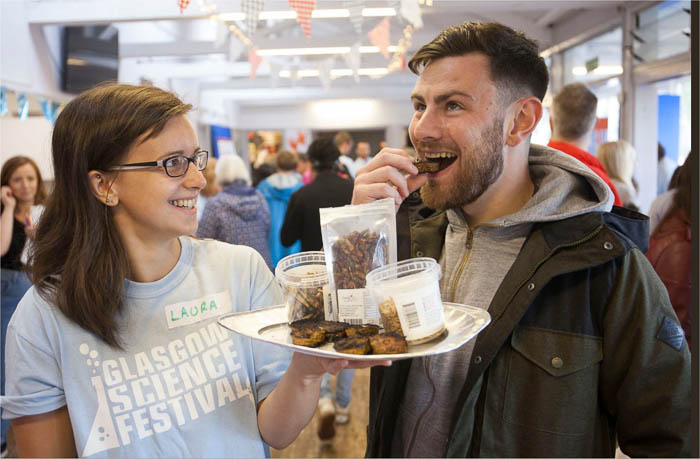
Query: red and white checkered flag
[380, 36]
[182, 4]
[252, 9]
[304, 8]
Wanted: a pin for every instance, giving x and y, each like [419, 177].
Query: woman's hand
[383, 178]
[8, 199]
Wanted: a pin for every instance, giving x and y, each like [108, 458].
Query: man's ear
[102, 189]
[525, 116]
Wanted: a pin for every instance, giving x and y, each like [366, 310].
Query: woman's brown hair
[79, 263]
[12, 164]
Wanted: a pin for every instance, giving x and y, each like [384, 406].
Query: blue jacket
[277, 190]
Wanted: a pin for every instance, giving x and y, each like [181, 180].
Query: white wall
[31, 137]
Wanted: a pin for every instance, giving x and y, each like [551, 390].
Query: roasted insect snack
[334, 330]
[307, 303]
[307, 333]
[355, 255]
[362, 330]
[356, 345]
[426, 166]
[303, 277]
[388, 343]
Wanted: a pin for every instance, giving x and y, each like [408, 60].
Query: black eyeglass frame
[161, 163]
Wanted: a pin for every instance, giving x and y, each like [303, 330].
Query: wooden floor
[350, 439]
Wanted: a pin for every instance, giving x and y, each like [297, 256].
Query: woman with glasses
[116, 350]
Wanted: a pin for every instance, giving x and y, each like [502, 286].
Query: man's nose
[428, 126]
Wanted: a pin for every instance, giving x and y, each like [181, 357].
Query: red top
[669, 252]
[589, 160]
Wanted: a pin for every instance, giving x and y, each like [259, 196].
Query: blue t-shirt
[184, 386]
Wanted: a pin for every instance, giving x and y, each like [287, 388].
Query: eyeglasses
[174, 166]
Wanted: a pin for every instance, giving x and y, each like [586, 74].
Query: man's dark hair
[323, 153]
[286, 160]
[515, 65]
[661, 151]
[574, 111]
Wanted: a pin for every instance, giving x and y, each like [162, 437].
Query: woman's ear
[101, 187]
[527, 114]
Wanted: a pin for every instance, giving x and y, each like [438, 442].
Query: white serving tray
[462, 323]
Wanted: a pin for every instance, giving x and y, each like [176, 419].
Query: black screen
[90, 56]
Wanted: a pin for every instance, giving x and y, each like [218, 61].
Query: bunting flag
[49, 109]
[410, 10]
[379, 36]
[182, 4]
[304, 8]
[255, 61]
[3, 101]
[352, 59]
[22, 106]
[324, 72]
[252, 9]
[355, 8]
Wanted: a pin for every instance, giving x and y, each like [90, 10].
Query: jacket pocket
[552, 382]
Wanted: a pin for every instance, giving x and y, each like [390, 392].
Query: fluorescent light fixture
[319, 51]
[336, 73]
[603, 70]
[316, 14]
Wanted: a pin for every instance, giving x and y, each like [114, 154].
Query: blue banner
[22, 106]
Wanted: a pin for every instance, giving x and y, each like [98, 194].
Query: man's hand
[383, 178]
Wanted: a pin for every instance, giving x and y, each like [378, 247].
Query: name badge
[190, 312]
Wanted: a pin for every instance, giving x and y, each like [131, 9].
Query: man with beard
[584, 348]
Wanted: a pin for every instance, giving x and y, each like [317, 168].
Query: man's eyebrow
[443, 97]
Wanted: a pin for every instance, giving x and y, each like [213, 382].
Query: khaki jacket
[583, 348]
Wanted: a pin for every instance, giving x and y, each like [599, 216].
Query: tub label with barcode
[420, 312]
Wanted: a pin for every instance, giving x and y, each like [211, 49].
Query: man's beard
[477, 169]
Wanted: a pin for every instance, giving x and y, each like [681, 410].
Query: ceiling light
[316, 14]
[319, 51]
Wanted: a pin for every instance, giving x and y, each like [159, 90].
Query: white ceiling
[196, 49]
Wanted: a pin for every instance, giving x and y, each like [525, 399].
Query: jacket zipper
[468, 248]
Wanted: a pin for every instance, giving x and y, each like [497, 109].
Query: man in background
[572, 120]
[344, 141]
[277, 190]
[362, 151]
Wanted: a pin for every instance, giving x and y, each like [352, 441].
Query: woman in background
[22, 192]
[618, 159]
[670, 247]
[116, 350]
[239, 213]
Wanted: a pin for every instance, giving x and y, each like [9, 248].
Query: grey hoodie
[474, 262]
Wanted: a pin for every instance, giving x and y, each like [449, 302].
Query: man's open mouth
[435, 162]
